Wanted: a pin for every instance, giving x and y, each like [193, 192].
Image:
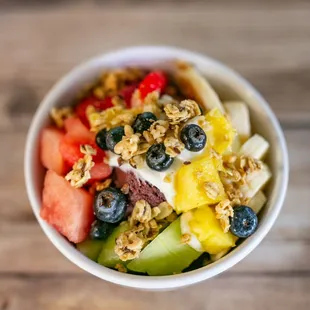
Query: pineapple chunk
[255, 147]
[205, 228]
[238, 113]
[256, 203]
[220, 132]
[190, 181]
[195, 85]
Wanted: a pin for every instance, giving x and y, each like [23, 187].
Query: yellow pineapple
[220, 132]
[206, 231]
[198, 184]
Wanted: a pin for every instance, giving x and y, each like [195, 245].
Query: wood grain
[79, 293]
[266, 41]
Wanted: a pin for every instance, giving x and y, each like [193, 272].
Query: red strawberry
[153, 81]
[66, 208]
[98, 104]
[50, 155]
[100, 171]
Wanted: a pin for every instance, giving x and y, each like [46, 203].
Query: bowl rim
[151, 282]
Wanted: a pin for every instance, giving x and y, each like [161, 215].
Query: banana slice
[195, 85]
[255, 181]
[238, 114]
[255, 147]
[257, 202]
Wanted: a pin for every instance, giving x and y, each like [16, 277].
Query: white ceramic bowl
[230, 86]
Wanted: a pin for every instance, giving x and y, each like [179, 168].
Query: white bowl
[230, 86]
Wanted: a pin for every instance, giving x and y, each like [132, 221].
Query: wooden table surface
[266, 41]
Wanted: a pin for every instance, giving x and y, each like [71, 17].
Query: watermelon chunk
[100, 171]
[50, 155]
[70, 150]
[98, 104]
[78, 131]
[69, 210]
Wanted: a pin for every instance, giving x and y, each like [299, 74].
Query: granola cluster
[80, 173]
[223, 211]
[111, 82]
[145, 223]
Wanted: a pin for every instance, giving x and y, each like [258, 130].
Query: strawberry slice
[69, 210]
[50, 154]
[155, 80]
[98, 104]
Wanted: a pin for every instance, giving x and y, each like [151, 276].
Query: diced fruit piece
[255, 181]
[114, 136]
[90, 248]
[255, 147]
[235, 146]
[110, 205]
[204, 225]
[153, 81]
[215, 257]
[101, 230]
[127, 92]
[244, 222]
[257, 202]
[166, 254]
[98, 104]
[195, 86]
[49, 150]
[66, 208]
[70, 150]
[143, 122]
[108, 257]
[157, 159]
[239, 116]
[100, 171]
[185, 218]
[190, 182]
[220, 133]
[193, 137]
[78, 131]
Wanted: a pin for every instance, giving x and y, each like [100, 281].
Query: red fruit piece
[66, 208]
[153, 81]
[70, 150]
[100, 171]
[50, 155]
[98, 104]
[78, 131]
[127, 93]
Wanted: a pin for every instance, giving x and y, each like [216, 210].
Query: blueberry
[110, 205]
[101, 139]
[114, 136]
[193, 137]
[157, 159]
[101, 230]
[244, 222]
[143, 122]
